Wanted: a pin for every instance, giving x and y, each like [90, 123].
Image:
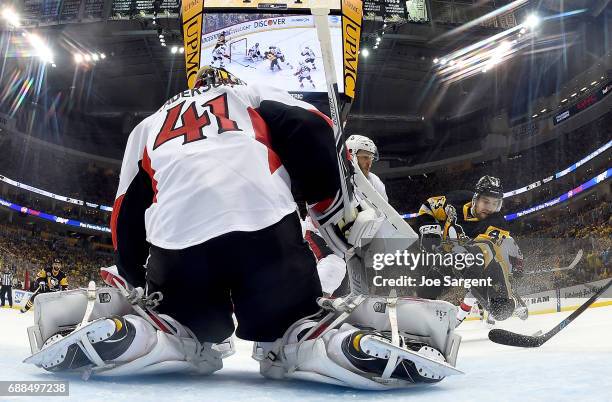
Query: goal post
[238, 49]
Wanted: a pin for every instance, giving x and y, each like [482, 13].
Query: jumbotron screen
[288, 52]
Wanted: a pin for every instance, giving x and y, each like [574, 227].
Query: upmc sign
[583, 104]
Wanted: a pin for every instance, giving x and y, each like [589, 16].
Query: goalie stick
[321, 23]
[571, 266]
[508, 338]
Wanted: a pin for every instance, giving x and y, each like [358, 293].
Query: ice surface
[575, 365]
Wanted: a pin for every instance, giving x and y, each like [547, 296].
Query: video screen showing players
[282, 51]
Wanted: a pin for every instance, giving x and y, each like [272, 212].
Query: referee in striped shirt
[7, 287]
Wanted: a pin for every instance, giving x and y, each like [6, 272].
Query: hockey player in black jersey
[48, 280]
[471, 222]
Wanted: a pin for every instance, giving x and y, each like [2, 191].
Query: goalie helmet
[214, 76]
[361, 143]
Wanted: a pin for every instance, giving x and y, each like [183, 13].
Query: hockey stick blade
[508, 338]
[571, 266]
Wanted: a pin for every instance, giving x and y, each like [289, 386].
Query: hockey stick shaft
[322, 25]
[504, 337]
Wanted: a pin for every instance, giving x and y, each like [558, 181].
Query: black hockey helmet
[209, 76]
[489, 186]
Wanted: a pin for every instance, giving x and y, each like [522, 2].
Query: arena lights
[535, 115]
[365, 52]
[181, 49]
[174, 49]
[543, 110]
[435, 60]
[11, 17]
[564, 100]
[42, 50]
[574, 94]
[88, 57]
[532, 21]
[583, 89]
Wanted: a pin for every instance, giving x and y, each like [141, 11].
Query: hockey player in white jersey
[303, 73]
[254, 53]
[309, 57]
[213, 168]
[364, 149]
[219, 54]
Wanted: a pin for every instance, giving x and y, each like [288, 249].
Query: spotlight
[384, 26]
[452, 62]
[174, 49]
[11, 17]
[53, 65]
[181, 49]
[87, 57]
[365, 52]
[435, 60]
[95, 57]
[102, 56]
[375, 46]
[543, 110]
[594, 82]
[532, 21]
[583, 89]
[378, 39]
[535, 115]
[564, 100]
[78, 58]
[163, 44]
[161, 36]
[42, 50]
[162, 40]
[574, 94]
[443, 61]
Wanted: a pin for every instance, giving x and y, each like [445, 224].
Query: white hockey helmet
[360, 142]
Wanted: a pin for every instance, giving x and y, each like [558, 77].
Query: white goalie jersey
[221, 134]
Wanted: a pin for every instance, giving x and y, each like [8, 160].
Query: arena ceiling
[397, 90]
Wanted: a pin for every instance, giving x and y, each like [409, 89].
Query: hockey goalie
[211, 172]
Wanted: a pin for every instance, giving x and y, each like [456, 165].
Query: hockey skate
[91, 345]
[368, 343]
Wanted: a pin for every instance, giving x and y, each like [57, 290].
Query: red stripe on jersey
[322, 206]
[313, 245]
[323, 115]
[262, 134]
[114, 217]
[146, 165]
